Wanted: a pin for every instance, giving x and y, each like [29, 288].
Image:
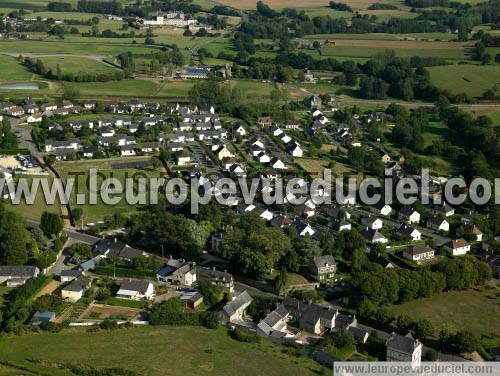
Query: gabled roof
[27, 271]
[418, 249]
[322, 261]
[238, 302]
[78, 284]
[138, 285]
[406, 344]
[458, 243]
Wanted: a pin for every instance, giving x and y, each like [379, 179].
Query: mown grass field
[470, 79]
[34, 212]
[370, 48]
[119, 168]
[12, 70]
[154, 351]
[280, 4]
[75, 65]
[386, 36]
[58, 47]
[474, 310]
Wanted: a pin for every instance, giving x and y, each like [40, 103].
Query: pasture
[178, 350]
[458, 310]
[58, 47]
[358, 48]
[280, 4]
[12, 70]
[119, 168]
[470, 79]
[75, 65]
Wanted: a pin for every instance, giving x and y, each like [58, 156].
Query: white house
[277, 163]
[408, 214]
[372, 222]
[419, 253]
[409, 232]
[263, 157]
[295, 150]
[127, 150]
[135, 289]
[381, 208]
[457, 247]
[404, 349]
[241, 131]
[34, 118]
[303, 228]
[438, 224]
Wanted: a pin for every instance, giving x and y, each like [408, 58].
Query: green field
[154, 351]
[477, 311]
[34, 212]
[470, 79]
[436, 133]
[119, 168]
[12, 70]
[75, 65]
[58, 47]
[369, 52]
[385, 36]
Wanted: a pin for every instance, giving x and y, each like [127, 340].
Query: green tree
[13, 238]
[51, 224]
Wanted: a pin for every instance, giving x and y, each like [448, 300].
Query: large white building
[171, 19]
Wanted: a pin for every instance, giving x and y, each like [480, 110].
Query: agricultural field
[204, 351]
[12, 70]
[120, 168]
[75, 65]
[253, 89]
[369, 48]
[470, 79]
[385, 36]
[458, 310]
[280, 4]
[58, 47]
[123, 88]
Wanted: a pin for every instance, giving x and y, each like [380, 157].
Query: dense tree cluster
[379, 287]
[252, 248]
[96, 6]
[13, 238]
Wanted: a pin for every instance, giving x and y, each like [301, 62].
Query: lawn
[61, 47]
[470, 79]
[34, 212]
[161, 350]
[12, 70]
[117, 168]
[75, 65]
[437, 132]
[477, 311]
